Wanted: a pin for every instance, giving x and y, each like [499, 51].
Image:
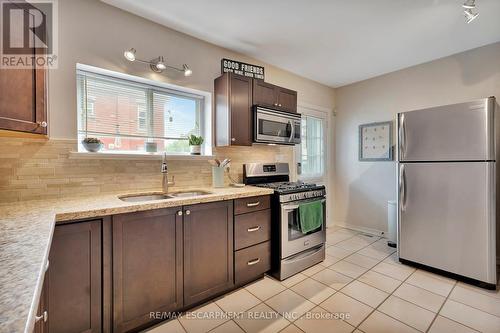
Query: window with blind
[125, 115]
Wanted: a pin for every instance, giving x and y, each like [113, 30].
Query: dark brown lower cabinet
[73, 280]
[208, 250]
[42, 313]
[147, 266]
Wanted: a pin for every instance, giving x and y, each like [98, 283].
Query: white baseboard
[363, 229]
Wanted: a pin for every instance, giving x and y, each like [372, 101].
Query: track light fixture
[468, 6]
[157, 65]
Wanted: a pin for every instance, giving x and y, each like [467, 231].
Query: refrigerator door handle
[402, 136]
[402, 187]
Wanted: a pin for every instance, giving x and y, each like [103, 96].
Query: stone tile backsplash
[41, 169]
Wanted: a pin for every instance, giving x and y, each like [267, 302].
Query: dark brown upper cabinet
[233, 110]
[287, 99]
[147, 266]
[73, 281]
[23, 99]
[208, 250]
[275, 97]
[264, 94]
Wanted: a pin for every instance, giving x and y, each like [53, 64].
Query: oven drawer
[252, 228]
[252, 262]
[251, 204]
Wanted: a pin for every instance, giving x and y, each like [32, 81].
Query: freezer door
[446, 217]
[459, 132]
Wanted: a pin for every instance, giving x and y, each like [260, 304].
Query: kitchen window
[312, 149]
[126, 114]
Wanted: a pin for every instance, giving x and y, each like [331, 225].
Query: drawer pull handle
[44, 316]
[257, 228]
[253, 204]
[253, 262]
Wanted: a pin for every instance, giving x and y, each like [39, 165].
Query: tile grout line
[441, 307]
[376, 308]
[340, 290]
[448, 298]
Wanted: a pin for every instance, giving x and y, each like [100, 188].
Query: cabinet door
[241, 110]
[208, 250]
[23, 98]
[42, 314]
[74, 278]
[264, 94]
[287, 99]
[147, 266]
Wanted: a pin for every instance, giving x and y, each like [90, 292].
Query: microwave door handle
[292, 131]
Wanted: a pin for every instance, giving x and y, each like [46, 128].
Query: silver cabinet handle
[44, 317]
[233, 139]
[42, 124]
[179, 213]
[253, 204]
[279, 104]
[188, 212]
[257, 228]
[253, 262]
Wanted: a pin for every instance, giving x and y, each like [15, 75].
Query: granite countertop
[26, 230]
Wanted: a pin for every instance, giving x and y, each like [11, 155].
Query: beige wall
[96, 34]
[93, 33]
[363, 188]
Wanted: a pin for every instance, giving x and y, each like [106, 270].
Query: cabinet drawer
[252, 228]
[251, 204]
[252, 262]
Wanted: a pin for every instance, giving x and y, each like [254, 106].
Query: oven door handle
[292, 207]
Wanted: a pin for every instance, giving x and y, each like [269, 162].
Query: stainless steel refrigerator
[447, 188]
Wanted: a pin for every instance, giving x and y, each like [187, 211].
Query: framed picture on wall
[375, 141]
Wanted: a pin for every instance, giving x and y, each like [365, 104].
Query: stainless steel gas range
[292, 250]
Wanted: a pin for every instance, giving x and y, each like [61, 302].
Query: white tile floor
[360, 287]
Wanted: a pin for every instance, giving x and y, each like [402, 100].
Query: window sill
[138, 156]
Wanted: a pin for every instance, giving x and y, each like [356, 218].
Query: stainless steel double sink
[160, 196]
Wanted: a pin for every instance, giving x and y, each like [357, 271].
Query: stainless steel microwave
[272, 126]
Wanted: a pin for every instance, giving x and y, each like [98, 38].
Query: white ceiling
[331, 41]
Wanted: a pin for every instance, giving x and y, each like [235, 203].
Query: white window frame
[206, 107]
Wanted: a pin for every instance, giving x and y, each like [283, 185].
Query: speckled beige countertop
[26, 230]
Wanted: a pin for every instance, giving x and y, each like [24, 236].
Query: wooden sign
[242, 68]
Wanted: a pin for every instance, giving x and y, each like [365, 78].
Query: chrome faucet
[164, 170]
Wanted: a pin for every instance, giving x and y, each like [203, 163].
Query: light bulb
[161, 64]
[469, 4]
[130, 54]
[187, 70]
